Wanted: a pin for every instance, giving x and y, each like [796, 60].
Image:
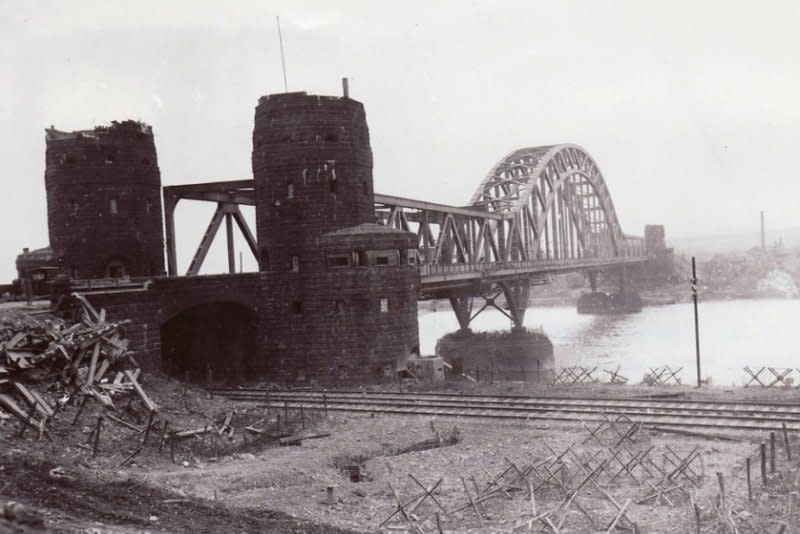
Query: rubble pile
[46, 363]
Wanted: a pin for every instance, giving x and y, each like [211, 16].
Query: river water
[733, 334]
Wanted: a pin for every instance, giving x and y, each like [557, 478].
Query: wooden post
[721, 482]
[772, 453]
[147, 429]
[97, 430]
[163, 437]
[749, 486]
[763, 463]
[786, 442]
[80, 410]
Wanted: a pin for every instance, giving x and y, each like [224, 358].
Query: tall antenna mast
[283, 60]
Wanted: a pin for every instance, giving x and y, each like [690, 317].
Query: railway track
[722, 415]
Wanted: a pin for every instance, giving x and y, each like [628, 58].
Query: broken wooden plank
[226, 423]
[43, 403]
[93, 363]
[288, 440]
[149, 404]
[98, 376]
[124, 423]
[42, 408]
[9, 404]
[196, 432]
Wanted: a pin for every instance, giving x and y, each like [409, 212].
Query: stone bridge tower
[312, 165]
[104, 201]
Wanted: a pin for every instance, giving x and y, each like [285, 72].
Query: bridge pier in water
[625, 299]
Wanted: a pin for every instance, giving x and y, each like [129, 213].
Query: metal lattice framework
[540, 210]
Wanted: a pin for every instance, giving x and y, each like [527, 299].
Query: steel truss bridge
[539, 211]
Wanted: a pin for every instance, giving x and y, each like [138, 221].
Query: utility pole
[696, 321]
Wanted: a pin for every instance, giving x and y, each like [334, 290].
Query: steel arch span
[539, 210]
[557, 205]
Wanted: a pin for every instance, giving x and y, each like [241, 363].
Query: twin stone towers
[335, 296]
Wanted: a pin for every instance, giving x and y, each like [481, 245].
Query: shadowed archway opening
[219, 337]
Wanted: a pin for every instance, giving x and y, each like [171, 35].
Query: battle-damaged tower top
[312, 166]
[104, 201]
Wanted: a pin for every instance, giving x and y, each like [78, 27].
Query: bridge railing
[540, 265]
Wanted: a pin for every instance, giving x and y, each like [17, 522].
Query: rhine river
[733, 334]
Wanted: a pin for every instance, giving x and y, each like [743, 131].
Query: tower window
[297, 307]
[113, 208]
[339, 307]
[384, 305]
[110, 159]
[149, 205]
[295, 264]
[334, 187]
[290, 190]
[116, 269]
[365, 188]
[74, 206]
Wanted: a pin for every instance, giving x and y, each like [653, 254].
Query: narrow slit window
[339, 307]
[113, 208]
[384, 305]
[74, 206]
[290, 190]
[334, 185]
[295, 264]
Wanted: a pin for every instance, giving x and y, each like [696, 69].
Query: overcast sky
[691, 109]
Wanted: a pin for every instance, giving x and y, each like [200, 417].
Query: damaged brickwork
[104, 201]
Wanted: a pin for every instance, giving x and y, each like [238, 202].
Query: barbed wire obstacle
[662, 376]
[570, 376]
[773, 377]
[615, 377]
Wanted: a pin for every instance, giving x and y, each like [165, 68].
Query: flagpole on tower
[283, 60]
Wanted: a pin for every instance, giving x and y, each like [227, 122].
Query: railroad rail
[722, 415]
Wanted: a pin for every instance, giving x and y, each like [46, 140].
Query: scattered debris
[47, 362]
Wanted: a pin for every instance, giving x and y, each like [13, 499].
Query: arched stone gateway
[220, 337]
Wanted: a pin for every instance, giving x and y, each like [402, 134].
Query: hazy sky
[691, 109]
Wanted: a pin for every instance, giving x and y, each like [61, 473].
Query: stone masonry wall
[312, 166]
[87, 171]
